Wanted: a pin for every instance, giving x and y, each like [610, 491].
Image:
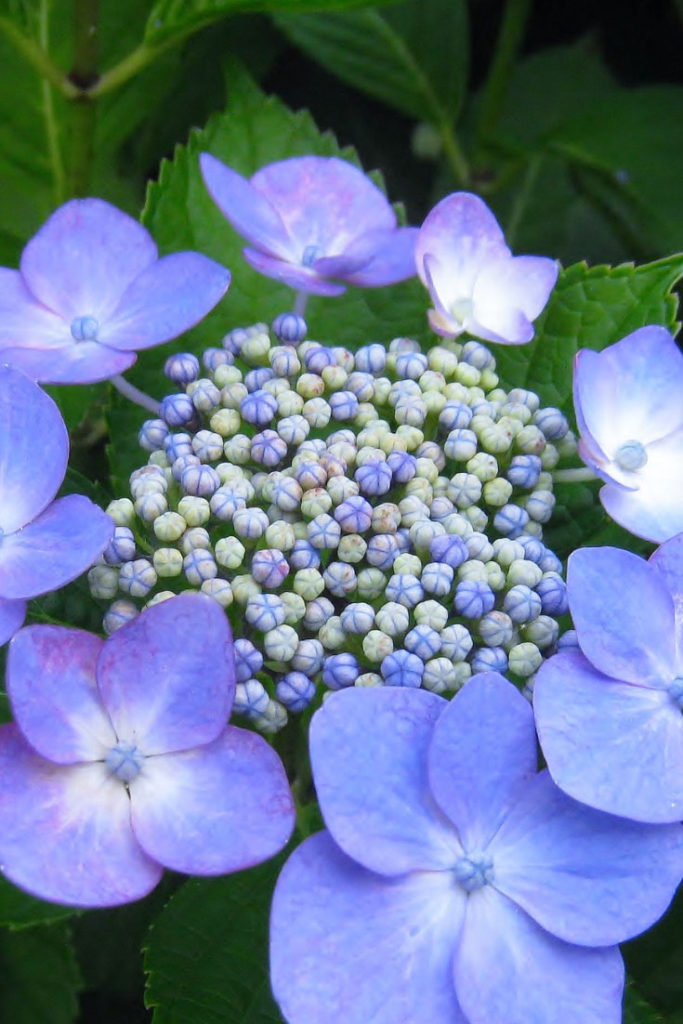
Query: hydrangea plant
[298, 641]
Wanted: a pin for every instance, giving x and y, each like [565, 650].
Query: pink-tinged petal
[510, 293]
[23, 320]
[12, 615]
[654, 510]
[34, 451]
[668, 561]
[82, 362]
[167, 678]
[167, 298]
[53, 692]
[631, 390]
[60, 544]
[324, 202]
[218, 808]
[250, 212]
[623, 614]
[508, 970]
[374, 794]
[585, 876]
[392, 257]
[292, 274]
[482, 748]
[611, 745]
[360, 946]
[65, 832]
[462, 233]
[84, 257]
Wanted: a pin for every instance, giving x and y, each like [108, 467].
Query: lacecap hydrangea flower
[43, 543]
[630, 415]
[474, 281]
[91, 290]
[120, 761]
[365, 518]
[312, 222]
[609, 715]
[454, 883]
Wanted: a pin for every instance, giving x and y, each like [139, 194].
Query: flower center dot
[310, 255]
[124, 761]
[631, 455]
[474, 870]
[84, 328]
[676, 691]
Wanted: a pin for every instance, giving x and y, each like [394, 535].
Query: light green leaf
[175, 18]
[40, 978]
[637, 1011]
[590, 307]
[206, 955]
[255, 130]
[413, 56]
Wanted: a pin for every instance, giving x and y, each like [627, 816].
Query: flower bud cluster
[365, 518]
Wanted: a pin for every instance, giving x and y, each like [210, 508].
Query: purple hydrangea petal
[292, 274]
[97, 861]
[85, 362]
[510, 293]
[655, 509]
[374, 949]
[508, 970]
[375, 796]
[611, 745]
[623, 614]
[463, 235]
[12, 615]
[217, 808]
[249, 211]
[30, 472]
[167, 678]
[668, 561]
[322, 201]
[585, 876]
[60, 544]
[84, 257]
[392, 257]
[167, 298]
[631, 389]
[340, 266]
[53, 692]
[23, 320]
[488, 761]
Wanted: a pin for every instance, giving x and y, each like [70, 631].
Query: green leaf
[206, 954]
[413, 56]
[176, 18]
[637, 1010]
[632, 138]
[40, 978]
[20, 910]
[255, 130]
[590, 307]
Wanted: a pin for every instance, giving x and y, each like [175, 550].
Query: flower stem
[509, 40]
[134, 394]
[570, 476]
[38, 57]
[300, 303]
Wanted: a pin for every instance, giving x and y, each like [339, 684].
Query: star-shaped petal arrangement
[43, 543]
[476, 284]
[120, 761]
[630, 414]
[455, 883]
[313, 222]
[609, 715]
[91, 291]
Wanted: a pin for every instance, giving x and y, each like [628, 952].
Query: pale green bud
[431, 613]
[335, 378]
[370, 584]
[377, 645]
[542, 631]
[433, 381]
[122, 511]
[496, 439]
[295, 608]
[195, 537]
[255, 349]
[522, 570]
[426, 469]
[244, 587]
[407, 563]
[422, 534]
[524, 659]
[167, 562]
[340, 488]
[550, 456]
[310, 385]
[472, 570]
[315, 502]
[531, 441]
[517, 411]
[230, 552]
[225, 422]
[352, 548]
[331, 634]
[488, 379]
[308, 583]
[483, 466]
[220, 590]
[281, 535]
[150, 506]
[369, 679]
[497, 492]
[273, 719]
[289, 403]
[495, 576]
[457, 391]
[420, 489]
[412, 509]
[227, 374]
[103, 581]
[467, 375]
[442, 361]
[440, 675]
[476, 517]
[365, 414]
[195, 511]
[276, 386]
[455, 523]
[386, 517]
[238, 449]
[392, 618]
[411, 411]
[317, 413]
[382, 390]
[464, 490]
[412, 436]
[163, 595]
[232, 396]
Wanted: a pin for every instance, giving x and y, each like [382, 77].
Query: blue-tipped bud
[177, 410]
[248, 659]
[258, 407]
[374, 477]
[289, 328]
[251, 699]
[84, 328]
[295, 691]
[402, 669]
[552, 591]
[371, 358]
[182, 368]
[340, 670]
[524, 471]
[473, 599]
[152, 435]
[121, 548]
[489, 659]
[522, 604]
